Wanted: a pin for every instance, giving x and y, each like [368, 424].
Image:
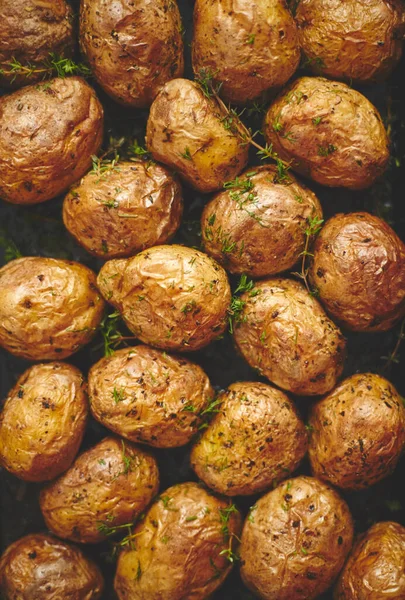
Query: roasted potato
[283, 332]
[258, 225]
[43, 421]
[375, 569]
[357, 432]
[48, 134]
[328, 132]
[171, 297]
[41, 567]
[130, 207]
[295, 541]
[148, 396]
[188, 131]
[183, 547]
[255, 439]
[106, 487]
[248, 48]
[358, 268]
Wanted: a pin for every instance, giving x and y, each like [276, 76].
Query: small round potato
[295, 541]
[133, 206]
[357, 432]
[328, 132]
[187, 131]
[183, 548]
[43, 421]
[48, 134]
[256, 439]
[358, 268]
[284, 334]
[375, 569]
[41, 567]
[106, 487]
[148, 396]
[258, 227]
[49, 308]
[172, 297]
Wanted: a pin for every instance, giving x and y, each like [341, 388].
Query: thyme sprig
[51, 66]
[313, 227]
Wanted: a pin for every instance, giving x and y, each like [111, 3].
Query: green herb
[118, 395]
[326, 150]
[313, 227]
[108, 530]
[139, 571]
[11, 252]
[189, 307]
[237, 306]
[316, 120]
[224, 518]
[101, 461]
[186, 154]
[166, 503]
[251, 517]
[189, 519]
[251, 39]
[110, 333]
[304, 551]
[53, 65]
[127, 460]
[205, 80]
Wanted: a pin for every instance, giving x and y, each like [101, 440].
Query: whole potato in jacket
[133, 48]
[49, 308]
[328, 132]
[48, 134]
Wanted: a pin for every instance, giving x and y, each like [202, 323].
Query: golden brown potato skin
[148, 396]
[249, 47]
[295, 541]
[260, 231]
[356, 40]
[172, 297]
[43, 421]
[287, 337]
[185, 132]
[358, 268]
[255, 439]
[41, 567]
[375, 569]
[329, 132]
[130, 207]
[357, 432]
[110, 484]
[133, 48]
[48, 134]
[178, 547]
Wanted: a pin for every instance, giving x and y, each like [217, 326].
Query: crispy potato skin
[250, 47]
[295, 541]
[130, 207]
[358, 432]
[148, 396]
[356, 40]
[172, 297]
[330, 133]
[49, 308]
[47, 137]
[178, 547]
[264, 235]
[42, 422]
[255, 439]
[111, 484]
[375, 569]
[285, 334]
[185, 132]
[359, 269]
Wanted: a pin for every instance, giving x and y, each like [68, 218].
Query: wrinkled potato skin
[147, 396]
[48, 135]
[255, 439]
[375, 569]
[266, 235]
[249, 46]
[43, 421]
[182, 121]
[49, 308]
[287, 337]
[177, 555]
[358, 432]
[100, 488]
[41, 567]
[145, 211]
[172, 297]
[295, 541]
[133, 48]
[359, 269]
[348, 147]
[357, 40]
